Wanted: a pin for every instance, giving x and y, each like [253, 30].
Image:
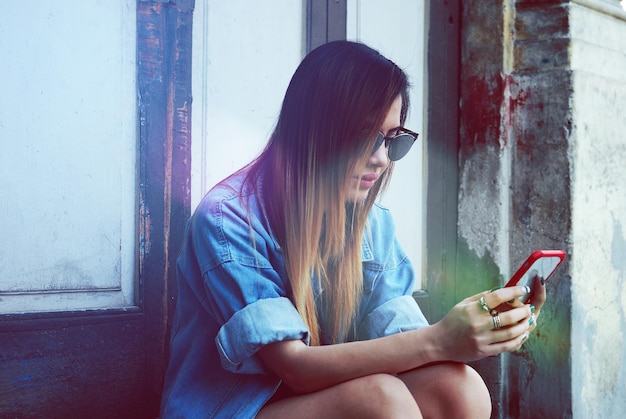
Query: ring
[532, 319]
[496, 322]
[483, 304]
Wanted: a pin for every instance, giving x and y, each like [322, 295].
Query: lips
[368, 180]
[371, 177]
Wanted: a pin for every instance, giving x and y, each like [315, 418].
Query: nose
[379, 157]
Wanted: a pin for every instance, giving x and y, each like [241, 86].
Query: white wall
[598, 173]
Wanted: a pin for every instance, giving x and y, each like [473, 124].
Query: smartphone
[541, 263]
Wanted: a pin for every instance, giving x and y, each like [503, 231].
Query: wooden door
[95, 196]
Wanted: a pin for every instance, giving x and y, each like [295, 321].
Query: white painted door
[93, 171]
[68, 153]
[397, 28]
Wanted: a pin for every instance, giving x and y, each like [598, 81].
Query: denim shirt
[234, 298]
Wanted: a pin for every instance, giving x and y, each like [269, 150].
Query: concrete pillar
[514, 187]
[542, 160]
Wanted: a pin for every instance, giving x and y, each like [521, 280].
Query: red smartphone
[541, 263]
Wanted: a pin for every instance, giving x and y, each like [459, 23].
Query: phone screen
[541, 263]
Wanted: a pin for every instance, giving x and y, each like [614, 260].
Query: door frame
[444, 20]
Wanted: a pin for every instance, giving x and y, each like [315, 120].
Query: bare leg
[449, 390]
[374, 396]
[445, 390]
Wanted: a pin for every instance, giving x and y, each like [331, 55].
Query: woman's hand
[489, 323]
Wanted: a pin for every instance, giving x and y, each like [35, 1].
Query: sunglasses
[397, 145]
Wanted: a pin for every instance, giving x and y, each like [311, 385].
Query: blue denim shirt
[234, 298]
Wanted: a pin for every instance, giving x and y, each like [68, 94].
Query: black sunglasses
[397, 145]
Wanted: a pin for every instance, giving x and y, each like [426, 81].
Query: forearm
[306, 369]
[466, 333]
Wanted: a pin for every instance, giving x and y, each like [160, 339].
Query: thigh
[375, 396]
[449, 389]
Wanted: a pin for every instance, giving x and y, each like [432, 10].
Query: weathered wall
[598, 179]
[541, 165]
[540, 125]
[482, 177]
[514, 194]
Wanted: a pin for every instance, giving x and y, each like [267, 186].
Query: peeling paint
[479, 212]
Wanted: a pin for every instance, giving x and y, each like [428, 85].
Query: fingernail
[532, 308]
[526, 289]
[531, 321]
[495, 288]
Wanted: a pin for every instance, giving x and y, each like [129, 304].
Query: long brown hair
[333, 108]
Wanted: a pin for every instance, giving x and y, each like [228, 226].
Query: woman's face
[378, 161]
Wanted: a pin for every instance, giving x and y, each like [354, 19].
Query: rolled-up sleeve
[397, 315]
[256, 325]
[388, 306]
[244, 286]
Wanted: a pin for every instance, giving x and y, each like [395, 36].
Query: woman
[294, 296]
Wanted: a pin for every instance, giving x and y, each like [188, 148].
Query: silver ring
[497, 323]
[532, 319]
[483, 304]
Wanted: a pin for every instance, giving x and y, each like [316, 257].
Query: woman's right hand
[471, 331]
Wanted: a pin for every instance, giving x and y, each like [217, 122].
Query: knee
[449, 390]
[385, 395]
[470, 397]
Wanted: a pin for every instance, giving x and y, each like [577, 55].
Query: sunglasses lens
[379, 140]
[399, 146]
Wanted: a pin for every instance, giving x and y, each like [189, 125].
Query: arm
[306, 369]
[465, 334]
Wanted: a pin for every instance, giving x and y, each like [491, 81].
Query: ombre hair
[335, 104]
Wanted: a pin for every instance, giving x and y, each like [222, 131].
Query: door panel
[239, 82]
[67, 155]
[102, 360]
[75, 366]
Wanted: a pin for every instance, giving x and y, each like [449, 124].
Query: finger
[475, 297]
[516, 315]
[538, 295]
[512, 333]
[508, 305]
[498, 297]
[479, 302]
[507, 345]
